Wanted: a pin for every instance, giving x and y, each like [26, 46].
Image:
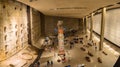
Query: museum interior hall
[59, 33]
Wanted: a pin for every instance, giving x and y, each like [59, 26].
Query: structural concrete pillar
[102, 28]
[86, 24]
[83, 21]
[91, 26]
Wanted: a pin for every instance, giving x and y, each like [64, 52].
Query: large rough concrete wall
[51, 23]
[35, 26]
[13, 28]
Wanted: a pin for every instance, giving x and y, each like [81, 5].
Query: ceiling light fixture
[53, 9]
[73, 8]
[66, 8]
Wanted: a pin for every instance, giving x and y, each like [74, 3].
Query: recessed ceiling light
[53, 9]
[71, 8]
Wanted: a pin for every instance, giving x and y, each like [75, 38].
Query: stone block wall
[13, 28]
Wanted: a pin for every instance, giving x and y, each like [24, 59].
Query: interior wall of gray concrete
[112, 28]
[13, 28]
[51, 23]
[35, 26]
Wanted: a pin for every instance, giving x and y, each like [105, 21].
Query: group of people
[73, 41]
[49, 63]
[49, 41]
[71, 44]
[37, 64]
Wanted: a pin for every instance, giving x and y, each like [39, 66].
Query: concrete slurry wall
[51, 23]
[35, 26]
[13, 28]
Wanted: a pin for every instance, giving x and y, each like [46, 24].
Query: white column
[91, 26]
[86, 24]
[102, 28]
[83, 25]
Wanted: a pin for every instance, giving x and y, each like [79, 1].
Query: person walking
[51, 63]
[48, 63]
[38, 64]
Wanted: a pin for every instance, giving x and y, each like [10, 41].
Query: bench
[81, 42]
[83, 49]
[104, 53]
[89, 44]
[80, 38]
[99, 60]
[90, 54]
[88, 59]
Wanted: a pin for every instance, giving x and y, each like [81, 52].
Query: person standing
[38, 64]
[35, 65]
[48, 63]
[95, 47]
[51, 63]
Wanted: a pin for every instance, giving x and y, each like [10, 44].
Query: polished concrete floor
[21, 59]
[77, 56]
